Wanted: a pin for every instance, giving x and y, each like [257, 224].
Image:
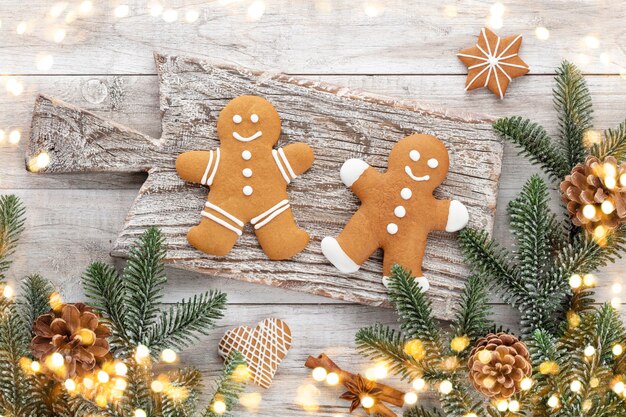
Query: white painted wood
[193, 91]
[314, 37]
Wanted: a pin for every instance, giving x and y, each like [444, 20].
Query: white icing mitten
[457, 216]
[351, 170]
[421, 281]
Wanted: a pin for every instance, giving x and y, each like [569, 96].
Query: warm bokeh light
[514, 406]
[445, 387]
[168, 356]
[70, 385]
[332, 378]
[575, 386]
[526, 384]
[617, 349]
[35, 366]
[59, 35]
[592, 42]
[122, 11]
[85, 7]
[589, 280]
[21, 28]
[140, 413]
[502, 405]
[7, 291]
[192, 15]
[589, 211]
[589, 351]
[103, 377]
[319, 374]
[121, 369]
[219, 407]
[156, 386]
[484, 356]
[169, 15]
[142, 353]
[553, 401]
[542, 33]
[410, 398]
[367, 402]
[575, 281]
[419, 384]
[256, 10]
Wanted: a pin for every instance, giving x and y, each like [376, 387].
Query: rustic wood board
[337, 122]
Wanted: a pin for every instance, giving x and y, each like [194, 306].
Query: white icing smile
[249, 138]
[409, 172]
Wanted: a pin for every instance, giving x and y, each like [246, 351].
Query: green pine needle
[613, 144]
[35, 299]
[229, 387]
[11, 226]
[413, 307]
[174, 328]
[422, 412]
[535, 144]
[471, 315]
[190, 380]
[144, 278]
[573, 104]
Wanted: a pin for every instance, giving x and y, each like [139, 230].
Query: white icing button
[406, 193]
[414, 155]
[399, 211]
[433, 163]
[247, 190]
[254, 118]
[247, 172]
[237, 118]
[392, 228]
[246, 155]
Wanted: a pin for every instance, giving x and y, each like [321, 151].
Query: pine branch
[471, 315]
[609, 330]
[573, 104]
[229, 386]
[107, 290]
[487, 258]
[188, 380]
[13, 346]
[385, 344]
[535, 144]
[144, 277]
[175, 327]
[422, 412]
[35, 299]
[413, 307]
[613, 144]
[11, 226]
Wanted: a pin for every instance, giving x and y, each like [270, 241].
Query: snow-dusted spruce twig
[129, 303]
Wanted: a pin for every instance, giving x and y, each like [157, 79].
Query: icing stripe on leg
[222, 222]
[224, 213]
[269, 211]
[270, 217]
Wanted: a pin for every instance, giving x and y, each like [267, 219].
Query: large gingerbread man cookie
[398, 209]
[248, 181]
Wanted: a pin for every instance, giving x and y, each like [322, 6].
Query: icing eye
[433, 163]
[237, 119]
[254, 118]
[414, 155]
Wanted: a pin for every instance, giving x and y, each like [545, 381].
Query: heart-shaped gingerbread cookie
[264, 347]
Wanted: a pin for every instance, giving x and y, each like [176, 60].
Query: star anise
[358, 388]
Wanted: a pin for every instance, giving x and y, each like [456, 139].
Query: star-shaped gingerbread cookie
[493, 62]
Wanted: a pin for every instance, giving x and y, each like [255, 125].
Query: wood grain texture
[337, 122]
[313, 37]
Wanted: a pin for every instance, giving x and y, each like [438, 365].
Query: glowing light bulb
[142, 353]
[484, 356]
[192, 15]
[419, 384]
[497, 9]
[85, 7]
[502, 405]
[445, 387]
[367, 402]
[319, 374]
[35, 366]
[219, 407]
[156, 386]
[575, 386]
[594, 382]
[140, 413]
[88, 383]
[589, 211]
[618, 388]
[575, 281]
[526, 384]
[59, 35]
[610, 182]
[121, 369]
[470, 415]
[103, 377]
[607, 207]
[21, 28]
[542, 33]
[496, 22]
[617, 349]
[622, 180]
[256, 10]
[70, 385]
[8, 292]
[592, 42]
[332, 378]
[514, 406]
[553, 401]
[589, 279]
[589, 351]
[168, 356]
[372, 9]
[56, 360]
[120, 384]
[122, 11]
[380, 371]
[599, 232]
[616, 288]
[170, 15]
[410, 398]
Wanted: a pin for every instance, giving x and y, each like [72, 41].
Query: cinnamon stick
[388, 394]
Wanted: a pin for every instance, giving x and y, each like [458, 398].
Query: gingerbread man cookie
[398, 210]
[248, 181]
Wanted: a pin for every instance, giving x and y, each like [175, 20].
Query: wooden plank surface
[312, 37]
[338, 123]
[407, 51]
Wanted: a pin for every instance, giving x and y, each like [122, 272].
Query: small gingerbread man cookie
[398, 209]
[248, 181]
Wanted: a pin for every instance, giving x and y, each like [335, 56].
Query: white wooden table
[398, 48]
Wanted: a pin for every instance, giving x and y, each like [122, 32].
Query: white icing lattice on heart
[264, 348]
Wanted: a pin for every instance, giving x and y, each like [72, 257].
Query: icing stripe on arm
[280, 167]
[217, 163]
[286, 161]
[208, 166]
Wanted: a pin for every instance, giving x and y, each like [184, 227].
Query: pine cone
[594, 183]
[497, 365]
[75, 332]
